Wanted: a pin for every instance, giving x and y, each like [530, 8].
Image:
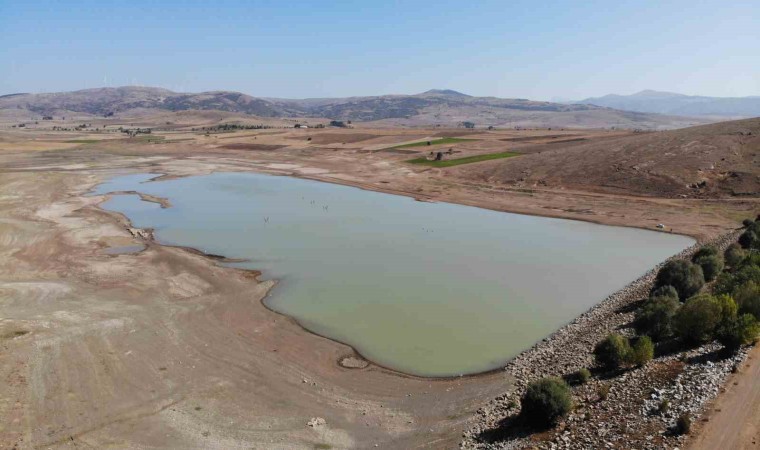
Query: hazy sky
[529, 49]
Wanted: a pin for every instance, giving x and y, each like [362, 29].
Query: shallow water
[124, 249]
[431, 289]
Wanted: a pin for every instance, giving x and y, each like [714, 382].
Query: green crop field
[465, 160]
[83, 141]
[440, 141]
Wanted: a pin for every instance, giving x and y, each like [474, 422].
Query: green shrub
[743, 330]
[712, 266]
[612, 352]
[546, 401]
[747, 223]
[734, 255]
[685, 277]
[728, 308]
[749, 239]
[725, 283]
[728, 281]
[664, 406]
[655, 318]
[752, 259]
[642, 351]
[747, 297]
[698, 318]
[683, 424]
[583, 376]
[707, 250]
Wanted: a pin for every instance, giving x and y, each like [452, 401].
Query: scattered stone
[353, 362]
[316, 422]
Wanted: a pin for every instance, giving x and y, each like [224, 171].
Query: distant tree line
[232, 127]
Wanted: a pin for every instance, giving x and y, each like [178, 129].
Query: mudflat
[166, 348]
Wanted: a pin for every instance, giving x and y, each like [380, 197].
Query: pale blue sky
[528, 49]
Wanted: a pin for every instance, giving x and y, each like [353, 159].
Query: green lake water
[431, 289]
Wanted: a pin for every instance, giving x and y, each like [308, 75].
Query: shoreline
[146, 235]
[169, 326]
[162, 175]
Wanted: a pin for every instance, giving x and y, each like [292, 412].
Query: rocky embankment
[618, 412]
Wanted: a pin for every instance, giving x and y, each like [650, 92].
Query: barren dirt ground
[164, 348]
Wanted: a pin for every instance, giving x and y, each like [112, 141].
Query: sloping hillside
[718, 160]
[103, 101]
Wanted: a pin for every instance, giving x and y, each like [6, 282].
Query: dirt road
[734, 419]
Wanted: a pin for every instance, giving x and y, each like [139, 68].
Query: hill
[434, 107]
[678, 104]
[711, 161]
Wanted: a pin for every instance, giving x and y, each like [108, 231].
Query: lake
[430, 289]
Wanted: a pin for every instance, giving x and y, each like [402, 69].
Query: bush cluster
[730, 315]
[616, 351]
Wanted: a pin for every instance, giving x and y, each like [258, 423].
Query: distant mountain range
[680, 105]
[434, 107]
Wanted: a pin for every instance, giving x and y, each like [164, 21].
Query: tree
[707, 250]
[746, 272]
[612, 352]
[685, 277]
[747, 223]
[665, 291]
[698, 318]
[642, 351]
[743, 330]
[546, 401]
[747, 297]
[655, 318]
[749, 239]
[734, 255]
[712, 266]
[728, 308]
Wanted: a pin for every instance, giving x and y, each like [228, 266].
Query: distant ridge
[445, 107]
[660, 102]
[447, 92]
